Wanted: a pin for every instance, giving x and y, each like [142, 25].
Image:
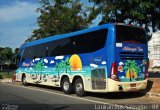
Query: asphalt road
[41, 97]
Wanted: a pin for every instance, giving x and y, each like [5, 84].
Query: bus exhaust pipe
[120, 88]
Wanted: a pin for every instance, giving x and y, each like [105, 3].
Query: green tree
[16, 51]
[1, 50]
[58, 17]
[138, 12]
[6, 53]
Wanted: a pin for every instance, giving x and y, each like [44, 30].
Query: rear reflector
[114, 72]
[146, 71]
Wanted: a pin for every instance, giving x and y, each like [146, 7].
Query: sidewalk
[6, 80]
[153, 87]
[153, 70]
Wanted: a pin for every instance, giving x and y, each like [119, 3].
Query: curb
[153, 87]
[153, 95]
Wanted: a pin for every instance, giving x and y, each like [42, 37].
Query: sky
[17, 20]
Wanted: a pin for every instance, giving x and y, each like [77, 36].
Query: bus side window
[17, 61]
[22, 60]
[46, 51]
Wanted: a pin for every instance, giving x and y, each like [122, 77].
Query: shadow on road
[117, 95]
[154, 75]
[46, 87]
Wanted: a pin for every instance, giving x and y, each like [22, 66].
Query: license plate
[133, 85]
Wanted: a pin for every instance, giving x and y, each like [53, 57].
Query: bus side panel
[93, 67]
[48, 71]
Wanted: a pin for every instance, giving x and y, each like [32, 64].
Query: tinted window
[26, 53]
[90, 42]
[98, 39]
[83, 43]
[20, 51]
[36, 51]
[18, 57]
[130, 34]
[60, 47]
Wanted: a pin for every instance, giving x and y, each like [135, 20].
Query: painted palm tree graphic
[138, 69]
[132, 70]
[39, 67]
[64, 65]
[67, 65]
[57, 68]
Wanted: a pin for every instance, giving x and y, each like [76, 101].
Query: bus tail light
[146, 71]
[114, 72]
[116, 23]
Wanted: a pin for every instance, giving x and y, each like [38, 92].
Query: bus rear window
[130, 34]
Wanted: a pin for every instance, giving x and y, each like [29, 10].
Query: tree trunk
[130, 75]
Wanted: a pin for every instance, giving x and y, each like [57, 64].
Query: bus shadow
[46, 87]
[154, 74]
[117, 95]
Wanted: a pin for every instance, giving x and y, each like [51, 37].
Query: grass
[6, 75]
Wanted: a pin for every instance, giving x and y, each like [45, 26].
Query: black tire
[79, 88]
[66, 86]
[24, 80]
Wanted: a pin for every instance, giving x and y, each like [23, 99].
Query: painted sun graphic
[75, 62]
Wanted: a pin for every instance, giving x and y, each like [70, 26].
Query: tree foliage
[138, 12]
[64, 16]
[6, 53]
[15, 52]
[59, 16]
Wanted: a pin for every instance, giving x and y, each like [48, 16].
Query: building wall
[154, 49]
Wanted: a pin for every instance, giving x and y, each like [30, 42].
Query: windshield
[130, 34]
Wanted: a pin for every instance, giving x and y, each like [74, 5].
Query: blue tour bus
[106, 58]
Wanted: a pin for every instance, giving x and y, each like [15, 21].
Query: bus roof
[56, 37]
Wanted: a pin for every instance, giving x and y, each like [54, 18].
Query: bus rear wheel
[66, 86]
[24, 80]
[79, 88]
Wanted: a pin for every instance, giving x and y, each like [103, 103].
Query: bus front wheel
[66, 86]
[79, 88]
[24, 80]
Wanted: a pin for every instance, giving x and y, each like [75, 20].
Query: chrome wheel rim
[66, 85]
[79, 87]
[24, 80]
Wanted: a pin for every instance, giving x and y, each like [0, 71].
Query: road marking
[89, 100]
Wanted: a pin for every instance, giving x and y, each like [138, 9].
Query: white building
[154, 49]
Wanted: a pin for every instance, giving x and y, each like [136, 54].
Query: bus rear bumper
[116, 86]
